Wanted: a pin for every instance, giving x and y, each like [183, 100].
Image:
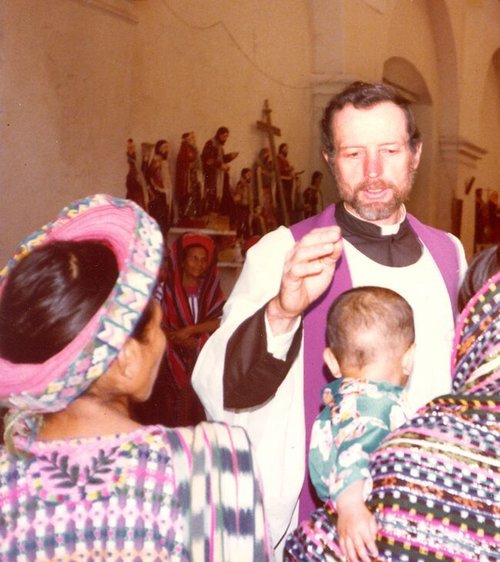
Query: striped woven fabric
[155, 494]
[436, 480]
[226, 511]
[177, 313]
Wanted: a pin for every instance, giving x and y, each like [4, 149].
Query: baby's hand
[356, 528]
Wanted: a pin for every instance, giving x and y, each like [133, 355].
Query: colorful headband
[137, 243]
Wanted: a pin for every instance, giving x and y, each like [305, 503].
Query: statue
[134, 181]
[188, 187]
[313, 198]
[216, 168]
[160, 186]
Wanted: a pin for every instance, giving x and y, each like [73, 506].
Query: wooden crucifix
[273, 131]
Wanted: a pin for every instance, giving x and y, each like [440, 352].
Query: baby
[370, 332]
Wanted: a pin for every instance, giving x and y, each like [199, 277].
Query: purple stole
[444, 254]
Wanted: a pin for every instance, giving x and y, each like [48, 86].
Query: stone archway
[408, 81]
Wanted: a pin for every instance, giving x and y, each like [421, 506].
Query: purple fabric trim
[314, 344]
[444, 253]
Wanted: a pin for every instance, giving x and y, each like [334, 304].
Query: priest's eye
[391, 150]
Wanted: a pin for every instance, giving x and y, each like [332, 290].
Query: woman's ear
[331, 362]
[129, 359]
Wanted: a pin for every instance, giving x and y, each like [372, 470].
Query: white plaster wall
[64, 101]
[208, 64]
[476, 30]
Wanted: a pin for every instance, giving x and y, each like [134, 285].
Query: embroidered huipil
[128, 497]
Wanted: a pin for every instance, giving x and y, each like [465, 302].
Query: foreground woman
[80, 339]
[436, 480]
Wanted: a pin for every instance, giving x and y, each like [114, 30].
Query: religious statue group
[265, 195]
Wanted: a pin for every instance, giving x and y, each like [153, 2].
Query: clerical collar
[392, 245]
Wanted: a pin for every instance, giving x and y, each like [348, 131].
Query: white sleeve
[275, 428]
[258, 283]
[279, 345]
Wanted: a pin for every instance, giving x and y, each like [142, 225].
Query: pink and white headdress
[136, 240]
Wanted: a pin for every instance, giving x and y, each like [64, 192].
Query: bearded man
[265, 373]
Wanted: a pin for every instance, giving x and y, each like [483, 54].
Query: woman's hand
[185, 337]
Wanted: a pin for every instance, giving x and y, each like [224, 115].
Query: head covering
[476, 347]
[195, 239]
[135, 238]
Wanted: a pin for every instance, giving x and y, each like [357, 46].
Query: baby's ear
[408, 360]
[331, 362]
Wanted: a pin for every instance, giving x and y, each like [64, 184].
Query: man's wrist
[279, 320]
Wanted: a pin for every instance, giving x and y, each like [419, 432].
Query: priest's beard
[377, 210]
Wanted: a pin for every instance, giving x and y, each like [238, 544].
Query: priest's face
[373, 165]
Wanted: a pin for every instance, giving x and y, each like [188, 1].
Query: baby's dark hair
[367, 320]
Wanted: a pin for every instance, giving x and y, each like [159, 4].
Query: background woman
[192, 302]
[436, 481]
[80, 340]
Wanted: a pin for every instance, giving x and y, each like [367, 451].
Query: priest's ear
[331, 363]
[326, 157]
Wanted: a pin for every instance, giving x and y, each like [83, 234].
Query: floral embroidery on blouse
[357, 416]
[110, 496]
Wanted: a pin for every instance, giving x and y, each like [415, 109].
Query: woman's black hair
[51, 295]
[483, 266]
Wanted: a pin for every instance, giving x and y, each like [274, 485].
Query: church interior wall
[64, 107]
[79, 77]
[488, 122]
[85, 76]
[213, 64]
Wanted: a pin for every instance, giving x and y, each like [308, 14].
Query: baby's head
[371, 334]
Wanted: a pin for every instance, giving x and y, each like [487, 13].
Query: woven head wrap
[136, 241]
[196, 239]
[476, 349]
